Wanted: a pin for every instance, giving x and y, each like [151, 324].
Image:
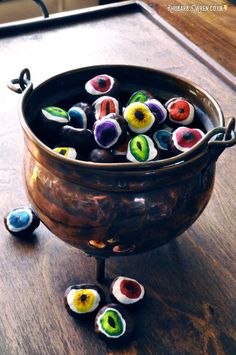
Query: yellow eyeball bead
[82, 300]
[139, 117]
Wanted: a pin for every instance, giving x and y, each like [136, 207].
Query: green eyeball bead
[139, 96]
[113, 323]
[50, 120]
[141, 148]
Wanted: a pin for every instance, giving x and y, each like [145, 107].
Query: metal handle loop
[20, 84]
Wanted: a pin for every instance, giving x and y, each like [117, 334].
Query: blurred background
[211, 25]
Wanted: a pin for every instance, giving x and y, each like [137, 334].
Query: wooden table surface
[190, 283]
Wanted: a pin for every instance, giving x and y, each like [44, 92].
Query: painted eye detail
[106, 105]
[56, 114]
[126, 291]
[141, 148]
[184, 138]
[158, 110]
[66, 151]
[139, 96]
[81, 115]
[162, 138]
[114, 323]
[140, 119]
[107, 132]
[180, 111]
[84, 299]
[100, 84]
[21, 221]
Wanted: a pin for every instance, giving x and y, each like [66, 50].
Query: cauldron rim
[126, 166]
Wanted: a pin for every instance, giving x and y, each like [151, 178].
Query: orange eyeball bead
[181, 111]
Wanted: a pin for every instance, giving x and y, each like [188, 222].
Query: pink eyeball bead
[106, 105]
[102, 85]
[158, 110]
[181, 111]
[185, 138]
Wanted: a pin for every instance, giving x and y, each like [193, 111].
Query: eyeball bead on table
[21, 222]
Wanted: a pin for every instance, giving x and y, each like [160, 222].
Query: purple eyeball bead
[158, 110]
[81, 115]
[109, 131]
[102, 84]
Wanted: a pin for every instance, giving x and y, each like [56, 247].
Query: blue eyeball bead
[81, 115]
[21, 222]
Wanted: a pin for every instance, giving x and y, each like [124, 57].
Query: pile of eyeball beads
[107, 131]
[113, 321]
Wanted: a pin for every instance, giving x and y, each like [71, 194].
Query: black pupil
[102, 83]
[139, 145]
[63, 152]
[83, 298]
[111, 322]
[130, 287]
[188, 136]
[139, 115]
[181, 110]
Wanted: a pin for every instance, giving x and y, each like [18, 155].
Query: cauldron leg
[100, 269]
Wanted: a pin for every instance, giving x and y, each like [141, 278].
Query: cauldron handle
[20, 84]
[228, 140]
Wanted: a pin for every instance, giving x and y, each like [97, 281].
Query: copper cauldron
[119, 208]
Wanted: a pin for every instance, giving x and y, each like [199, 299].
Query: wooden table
[190, 306]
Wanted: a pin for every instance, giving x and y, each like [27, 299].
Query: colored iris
[140, 119]
[66, 151]
[141, 148]
[158, 110]
[111, 323]
[55, 114]
[162, 138]
[106, 105]
[139, 96]
[180, 111]
[126, 290]
[19, 219]
[78, 114]
[83, 300]
[107, 132]
[99, 85]
[185, 138]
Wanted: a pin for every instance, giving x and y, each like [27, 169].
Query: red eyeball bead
[126, 291]
[181, 111]
[106, 105]
[101, 85]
